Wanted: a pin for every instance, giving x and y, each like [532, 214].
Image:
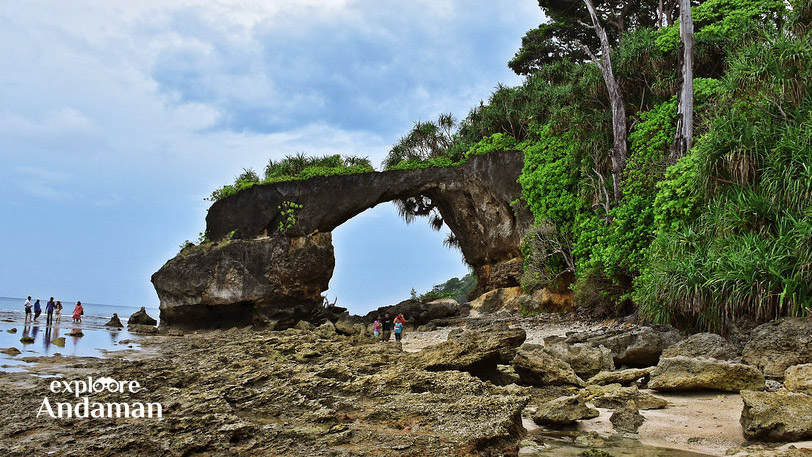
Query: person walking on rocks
[398, 329]
[58, 311]
[376, 327]
[400, 323]
[37, 310]
[49, 311]
[27, 310]
[78, 311]
[386, 327]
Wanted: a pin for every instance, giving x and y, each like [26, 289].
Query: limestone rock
[59, 341]
[627, 419]
[620, 397]
[703, 345]
[344, 324]
[779, 344]
[549, 300]
[12, 330]
[684, 373]
[140, 328]
[12, 351]
[563, 411]
[634, 347]
[77, 333]
[586, 360]
[776, 416]
[239, 282]
[536, 367]
[626, 376]
[474, 199]
[139, 317]
[304, 325]
[325, 330]
[116, 322]
[798, 378]
[26, 339]
[496, 300]
[475, 350]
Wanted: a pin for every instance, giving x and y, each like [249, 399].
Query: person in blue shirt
[400, 321]
[49, 310]
[37, 310]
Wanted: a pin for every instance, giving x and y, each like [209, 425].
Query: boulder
[77, 333]
[427, 327]
[26, 339]
[536, 367]
[586, 360]
[476, 350]
[614, 396]
[683, 373]
[116, 322]
[325, 330]
[777, 345]
[704, 345]
[626, 376]
[627, 419]
[548, 300]
[798, 378]
[12, 330]
[139, 317]
[503, 299]
[563, 411]
[776, 416]
[12, 351]
[305, 325]
[59, 341]
[635, 346]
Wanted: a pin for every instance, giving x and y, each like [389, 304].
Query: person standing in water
[37, 310]
[78, 311]
[27, 310]
[58, 311]
[49, 311]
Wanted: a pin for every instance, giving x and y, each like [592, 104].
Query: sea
[97, 341]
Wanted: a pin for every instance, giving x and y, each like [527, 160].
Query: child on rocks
[376, 327]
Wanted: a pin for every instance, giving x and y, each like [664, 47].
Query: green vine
[288, 211]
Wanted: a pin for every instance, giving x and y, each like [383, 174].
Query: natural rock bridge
[253, 272]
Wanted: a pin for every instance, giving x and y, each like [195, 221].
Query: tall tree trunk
[619, 152]
[685, 109]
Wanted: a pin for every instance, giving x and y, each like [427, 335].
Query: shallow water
[563, 444]
[97, 339]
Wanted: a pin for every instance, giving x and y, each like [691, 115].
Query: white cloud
[145, 106]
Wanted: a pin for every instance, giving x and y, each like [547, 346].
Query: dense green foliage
[722, 233]
[455, 288]
[735, 228]
[295, 167]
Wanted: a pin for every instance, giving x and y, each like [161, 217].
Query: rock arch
[253, 271]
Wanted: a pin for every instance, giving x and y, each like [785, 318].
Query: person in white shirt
[28, 309]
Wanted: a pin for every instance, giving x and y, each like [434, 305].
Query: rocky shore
[512, 386]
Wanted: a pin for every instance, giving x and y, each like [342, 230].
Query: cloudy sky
[117, 119]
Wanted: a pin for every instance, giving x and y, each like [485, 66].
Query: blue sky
[117, 119]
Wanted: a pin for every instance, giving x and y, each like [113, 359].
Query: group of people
[382, 328]
[52, 310]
